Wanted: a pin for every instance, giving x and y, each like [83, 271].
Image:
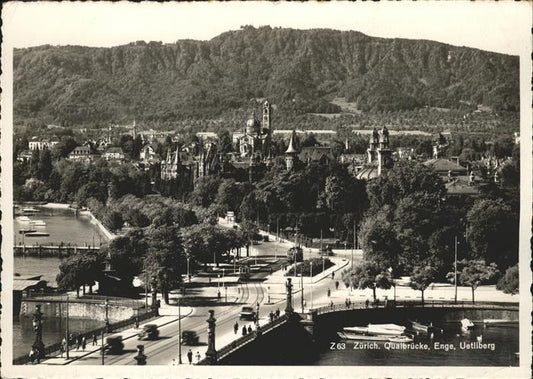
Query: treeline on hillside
[299, 70]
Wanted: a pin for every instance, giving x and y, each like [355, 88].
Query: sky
[486, 25]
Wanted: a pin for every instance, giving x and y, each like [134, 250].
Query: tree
[474, 273]
[493, 232]
[45, 164]
[423, 275]
[367, 275]
[509, 283]
[205, 191]
[165, 258]
[78, 270]
[113, 220]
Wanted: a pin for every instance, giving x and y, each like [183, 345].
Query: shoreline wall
[110, 236]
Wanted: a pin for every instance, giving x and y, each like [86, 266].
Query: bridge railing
[415, 303]
[241, 341]
[114, 327]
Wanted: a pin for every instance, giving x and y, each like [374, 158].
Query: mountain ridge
[298, 69]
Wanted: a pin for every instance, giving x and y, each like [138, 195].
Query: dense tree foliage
[474, 273]
[367, 275]
[301, 70]
[510, 282]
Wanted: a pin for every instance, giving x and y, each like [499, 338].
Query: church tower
[384, 152]
[371, 151]
[290, 153]
[266, 127]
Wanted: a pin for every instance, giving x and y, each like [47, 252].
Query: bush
[509, 283]
[305, 267]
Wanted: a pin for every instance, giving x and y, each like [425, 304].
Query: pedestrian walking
[244, 331]
[336, 284]
[32, 355]
[78, 343]
[83, 343]
[136, 322]
[329, 292]
[249, 329]
[61, 349]
[218, 295]
[333, 275]
[366, 303]
[277, 313]
[95, 339]
[198, 357]
[236, 327]
[271, 316]
[189, 356]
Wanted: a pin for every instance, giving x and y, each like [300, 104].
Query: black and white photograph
[266, 189]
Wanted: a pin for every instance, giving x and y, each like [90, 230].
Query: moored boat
[37, 234]
[466, 324]
[362, 337]
[403, 339]
[37, 223]
[29, 210]
[498, 322]
[23, 219]
[376, 329]
[25, 231]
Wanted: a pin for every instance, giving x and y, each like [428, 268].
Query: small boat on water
[25, 231]
[362, 337]
[376, 329]
[466, 324]
[29, 210]
[37, 234]
[498, 322]
[23, 219]
[421, 328]
[37, 223]
[401, 339]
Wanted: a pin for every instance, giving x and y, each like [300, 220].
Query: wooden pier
[60, 250]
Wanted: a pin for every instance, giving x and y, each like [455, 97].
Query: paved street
[270, 294]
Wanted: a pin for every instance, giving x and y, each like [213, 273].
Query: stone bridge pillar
[309, 322]
[211, 353]
[288, 309]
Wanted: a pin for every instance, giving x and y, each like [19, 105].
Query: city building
[40, 144]
[114, 153]
[379, 155]
[82, 154]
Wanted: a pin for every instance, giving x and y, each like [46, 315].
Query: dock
[60, 250]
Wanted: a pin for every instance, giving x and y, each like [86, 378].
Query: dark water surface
[53, 331]
[503, 340]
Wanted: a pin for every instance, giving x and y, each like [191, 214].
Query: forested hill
[300, 70]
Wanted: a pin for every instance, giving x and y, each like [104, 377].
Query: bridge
[313, 318]
[60, 250]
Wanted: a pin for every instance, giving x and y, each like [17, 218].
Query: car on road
[189, 337]
[114, 345]
[149, 332]
[247, 313]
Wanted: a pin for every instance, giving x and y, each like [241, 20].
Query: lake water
[64, 227]
[53, 331]
[501, 343]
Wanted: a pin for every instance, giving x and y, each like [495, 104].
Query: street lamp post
[277, 229]
[66, 331]
[188, 268]
[38, 345]
[179, 330]
[107, 328]
[311, 275]
[257, 317]
[455, 270]
[302, 283]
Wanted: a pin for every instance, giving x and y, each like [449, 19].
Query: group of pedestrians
[274, 315]
[245, 330]
[80, 342]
